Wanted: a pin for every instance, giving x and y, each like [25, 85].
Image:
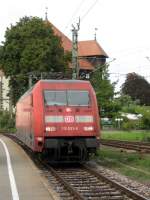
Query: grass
[127, 135]
[133, 165]
[8, 130]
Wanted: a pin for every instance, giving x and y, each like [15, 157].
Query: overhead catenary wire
[77, 11]
[74, 14]
[87, 12]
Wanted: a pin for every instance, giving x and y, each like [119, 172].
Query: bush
[7, 122]
[145, 120]
[129, 125]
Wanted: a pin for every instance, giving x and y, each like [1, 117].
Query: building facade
[4, 90]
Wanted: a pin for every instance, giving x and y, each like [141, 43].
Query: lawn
[131, 164]
[127, 135]
[128, 163]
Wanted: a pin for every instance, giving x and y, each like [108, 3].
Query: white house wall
[4, 92]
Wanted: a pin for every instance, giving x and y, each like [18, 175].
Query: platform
[28, 184]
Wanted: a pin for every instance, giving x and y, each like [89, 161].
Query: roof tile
[90, 48]
[66, 42]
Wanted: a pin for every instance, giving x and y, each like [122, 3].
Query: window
[66, 97]
[78, 98]
[55, 98]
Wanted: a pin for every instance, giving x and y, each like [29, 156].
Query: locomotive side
[59, 117]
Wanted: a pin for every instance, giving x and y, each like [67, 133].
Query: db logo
[69, 119]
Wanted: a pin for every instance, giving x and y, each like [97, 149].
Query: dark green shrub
[145, 119]
[130, 125]
[7, 121]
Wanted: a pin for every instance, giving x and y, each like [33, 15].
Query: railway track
[86, 183]
[143, 147]
[79, 182]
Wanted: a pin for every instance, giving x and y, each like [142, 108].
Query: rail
[143, 147]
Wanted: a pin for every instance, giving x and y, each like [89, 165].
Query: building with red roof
[90, 53]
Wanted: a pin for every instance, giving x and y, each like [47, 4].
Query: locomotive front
[71, 120]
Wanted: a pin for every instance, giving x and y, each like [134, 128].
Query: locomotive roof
[62, 81]
[51, 81]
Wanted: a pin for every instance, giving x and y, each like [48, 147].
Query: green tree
[30, 46]
[138, 88]
[145, 119]
[104, 89]
[125, 104]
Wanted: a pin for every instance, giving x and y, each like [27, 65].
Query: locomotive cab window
[78, 98]
[66, 97]
[52, 98]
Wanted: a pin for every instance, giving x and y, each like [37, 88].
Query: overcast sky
[123, 27]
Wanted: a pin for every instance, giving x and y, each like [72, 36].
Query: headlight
[88, 128]
[50, 128]
[39, 139]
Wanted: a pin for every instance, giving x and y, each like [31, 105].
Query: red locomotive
[59, 117]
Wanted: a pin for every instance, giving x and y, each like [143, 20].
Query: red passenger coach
[59, 117]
